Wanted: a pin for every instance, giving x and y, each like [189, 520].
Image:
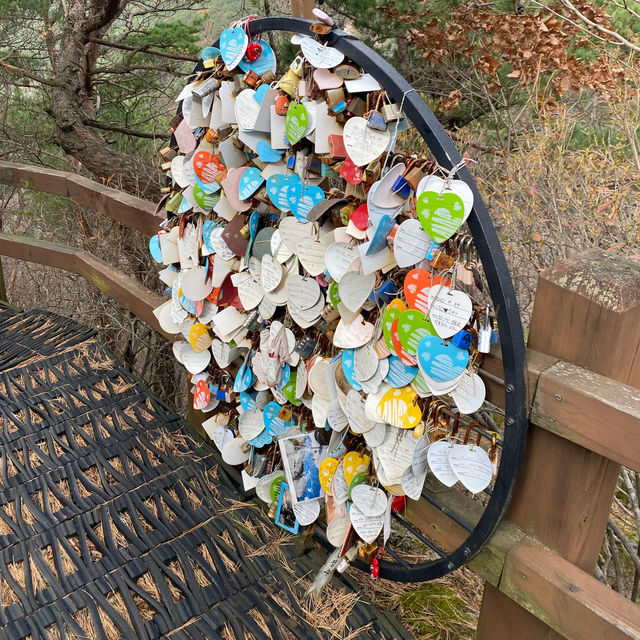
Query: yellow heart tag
[397, 408]
[327, 468]
[354, 463]
[199, 337]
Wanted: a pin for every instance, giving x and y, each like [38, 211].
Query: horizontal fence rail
[593, 411]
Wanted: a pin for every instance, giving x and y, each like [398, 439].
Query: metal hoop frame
[500, 286]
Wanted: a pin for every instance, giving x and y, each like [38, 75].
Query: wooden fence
[583, 378]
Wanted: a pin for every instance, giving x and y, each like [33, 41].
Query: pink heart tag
[327, 80]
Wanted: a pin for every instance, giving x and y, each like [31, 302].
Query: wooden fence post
[302, 8]
[587, 311]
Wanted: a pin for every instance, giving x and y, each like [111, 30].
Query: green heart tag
[334, 295]
[412, 327]
[358, 479]
[289, 390]
[274, 490]
[420, 385]
[393, 311]
[440, 215]
[206, 201]
[296, 121]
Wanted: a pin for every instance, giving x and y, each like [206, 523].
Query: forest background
[542, 94]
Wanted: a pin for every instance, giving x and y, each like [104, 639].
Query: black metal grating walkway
[116, 523]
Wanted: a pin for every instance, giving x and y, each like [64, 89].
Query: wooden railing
[585, 422]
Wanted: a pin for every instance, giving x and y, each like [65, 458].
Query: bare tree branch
[128, 132]
[144, 49]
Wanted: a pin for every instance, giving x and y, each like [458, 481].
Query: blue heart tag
[261, 440]
[244, 378]
[207, 229]
[185, 206]
[250, 182]
[254, 218]
[286, 374]
[266, 61]
[347, 368]
[302, 199]
[247, 400]
[233, 44]
[209, 53]
[277, 186]
[258, 95]
[441, 360]
[276, 426]
[400, 375]
[188, 305]
[379, 240]
[267, 153]
[154, 248]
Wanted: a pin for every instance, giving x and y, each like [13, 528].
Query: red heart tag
[201, 396]
[405, 358]
[351, 172]
[207, 166]
[417, 284]
[233, 237]
[228, 294]
[360, 217]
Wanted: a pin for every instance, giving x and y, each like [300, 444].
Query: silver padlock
[484, 334]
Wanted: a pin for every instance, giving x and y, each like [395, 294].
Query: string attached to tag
[392, 141]
[449, 174]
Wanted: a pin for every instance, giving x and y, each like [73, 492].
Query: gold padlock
[289, 83]
[372, 171]
[346, 212]
[355, 191]
[442, 261]
[415, 173]
[335, 97]
[356, 106]
[347, 71]
[391, 113]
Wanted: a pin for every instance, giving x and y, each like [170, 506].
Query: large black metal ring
[500, 285]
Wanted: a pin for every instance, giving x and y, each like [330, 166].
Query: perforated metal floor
[116, 523]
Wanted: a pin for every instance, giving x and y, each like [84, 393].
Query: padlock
[173, 202]
[297, 65]
[356, 106]
[367, 552]
[205, 88]
[330, 314]
[336, 146]
[210, 63]
[251, 78]
[484, 333]
[320, 28]
[355, 191]
[336, 97]
[212, 136]
[313, 165]
[168, 153]
[347, 71]
[442, 261]
[339, 108]
[432, 250]
[414, 174]
[253, 52]
[238, 85]
[463, 339]
[305, 346]
[391, 113]
[289, 84]
[281, 105]
[374, 117]
[346, 212]
[372, 171]
[401, 186]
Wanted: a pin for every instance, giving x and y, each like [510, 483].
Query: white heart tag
[438, 459]
[320, 55]
[353, 334]
[337, 530]
[355, 288]
[307, 512]
[410, 243]
[279, 249]
[370, 500]
[459, 187]
[247, 109]
[302, 292]
[307, 317]
[339, 486]
[366, 526]
[251, 424]
[233, 452]
[339, 257]
[472, 466]
[469, 394]
[292, 232]
[311, 254]
[271, 273]
[449, 310]
[335, 416]
[362, 143]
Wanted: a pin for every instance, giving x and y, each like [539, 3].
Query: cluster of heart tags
[318, 325]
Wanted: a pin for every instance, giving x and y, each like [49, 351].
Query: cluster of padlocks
[331, 316]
